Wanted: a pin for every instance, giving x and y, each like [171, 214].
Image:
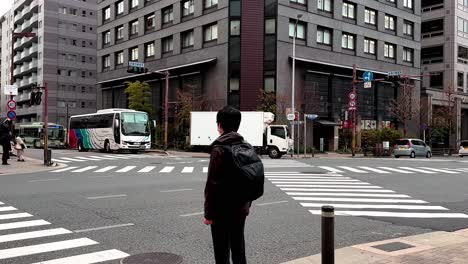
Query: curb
[40, 168]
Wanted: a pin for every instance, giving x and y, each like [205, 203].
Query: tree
[267, 102]
[139, 96]
[405, 108]
[444, 117]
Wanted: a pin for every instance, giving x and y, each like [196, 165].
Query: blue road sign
[311, 117]
[368, 76]
[11, 115]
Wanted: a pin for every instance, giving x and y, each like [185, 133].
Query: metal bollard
[328, 234]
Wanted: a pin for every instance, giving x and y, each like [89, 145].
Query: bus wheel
[107, 148]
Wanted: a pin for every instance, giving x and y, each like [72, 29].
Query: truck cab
[278, 141]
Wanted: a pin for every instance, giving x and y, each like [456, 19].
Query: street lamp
[293, 79]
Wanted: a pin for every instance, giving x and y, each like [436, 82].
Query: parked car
[463, 148]
[412, 148]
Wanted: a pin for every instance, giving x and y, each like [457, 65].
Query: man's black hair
[229, 118]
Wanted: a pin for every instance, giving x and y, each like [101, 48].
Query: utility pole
[166, 109]
[353, 141]
[293, 79]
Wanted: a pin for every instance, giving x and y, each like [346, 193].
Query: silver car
[412, 148]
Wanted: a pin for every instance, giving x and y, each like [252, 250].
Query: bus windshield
[56, 133]
[135, 124]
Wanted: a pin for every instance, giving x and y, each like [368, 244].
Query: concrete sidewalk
[30, 165]
[430, 248]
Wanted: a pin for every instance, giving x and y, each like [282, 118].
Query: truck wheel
[274, 153]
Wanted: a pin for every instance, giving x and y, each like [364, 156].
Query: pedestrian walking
[20, 147]
[235, 179]
[5, 140]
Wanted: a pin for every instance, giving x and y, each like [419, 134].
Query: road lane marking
[14, 216]
[439, 170]
[106, 197]
[101, 157]
[117, 157]
[85, 169]
[397, 170]
[85, 158]
[45, 180]
[65, 169]
[126, 169]
[313, 179]
[48, 247]
[359, 200]
[103, 228]
[16, 225]
[34, 234]
[192, 214]
[377, 206]
[59, 160]
[337, 190]
[308, 177]
[70, 159]
[178, 190]
[7, 208]
[349, 194]
[205, 169]
[187, 170]
[108, 168]
[90, 258]
[374, 170]
[333, 170]
[147, 169]
[305, 174]
[320, 182]
[278, 202]
[417, 170]
[352, 169]
[394, 214]
[167, 169]
[329, 186]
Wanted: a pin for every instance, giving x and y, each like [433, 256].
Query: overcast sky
[5, 6]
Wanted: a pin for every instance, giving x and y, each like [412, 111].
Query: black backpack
[249, 175]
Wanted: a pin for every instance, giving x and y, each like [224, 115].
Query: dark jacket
[5, 133]
[220, 192]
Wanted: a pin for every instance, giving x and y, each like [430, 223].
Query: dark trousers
[6, 153]
[228, 237]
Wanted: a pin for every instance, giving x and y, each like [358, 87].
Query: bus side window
[117, 129]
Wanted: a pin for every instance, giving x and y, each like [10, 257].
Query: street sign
[11, 104]
[136, 64]
[367, 85]
[368, 76]
[352, 96]
[394, 73]
[291, 117]
[11, 115]
[10, 90]
[311, 117]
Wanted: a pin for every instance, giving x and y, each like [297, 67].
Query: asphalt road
[119, 204]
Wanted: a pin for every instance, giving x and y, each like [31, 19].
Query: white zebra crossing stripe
[337, 190]
[101, 157]
[329, 186]
[16, 225]
[62, 161]
[7, 208]
[65, 169]
[126, 169]
[14, 216]
[397, 170]
[85, 158]
[34, 234]
[418, 170]
[90, 258]
[147, 169]
[306, 177]
[439, 170]
[108, 168]
[85, 169]
[328, 199]
[333, 170]
[321, 182]
[352, 169]
[374, 170]
[313, 179]
[48, 247]
[205, 169]
[349, 194]
[187, 170]
[167, 169]
[117, 157]
[394, 214]
[377, 206]
[70, 159]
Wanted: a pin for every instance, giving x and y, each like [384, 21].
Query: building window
[119, 33]
[234, 28]
[408, 55]
[324, 5]
[106, 38]
[300, 30]
[210, 33]
[83, 44]
[369, 46]
[133, 4]
[187, 39]
[83, 13]
[347, 41]
[119, 58]
[106, 62]
[150, 22]
[408, 4]
[149, 50]
[390, 22]
[302, 2]
[73, 11]
[436, 79]
[324, 35]
[168, 15]
[63, 10]
[269, 84]
[167, 44]
[188, 8]
[369, 16]
[106, 13]
[460, 80]
[389, 51]
[408, 28]
[134, 27]
[349, 10]
[210, 3]
[270, 26]
[134, 54]
[463, 54]
[462, 28]
[119, 8]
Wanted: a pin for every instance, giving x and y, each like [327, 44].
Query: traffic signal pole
[47, 153]
[166, 109]
[353, 141]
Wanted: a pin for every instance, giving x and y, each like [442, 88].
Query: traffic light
[137, 70]
[35, 99]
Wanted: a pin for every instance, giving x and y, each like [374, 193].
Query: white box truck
[255, 127]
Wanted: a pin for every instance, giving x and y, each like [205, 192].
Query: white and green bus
[33, 135]
[109, 130]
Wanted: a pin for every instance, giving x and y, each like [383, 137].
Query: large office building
[62, 54]
[230, 51]
[444, 58]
